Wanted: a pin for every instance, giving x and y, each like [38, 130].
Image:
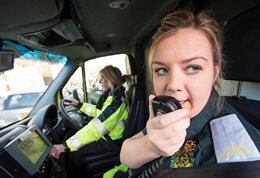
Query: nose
[176, 81]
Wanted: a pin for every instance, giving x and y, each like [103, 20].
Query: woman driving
[107, 124]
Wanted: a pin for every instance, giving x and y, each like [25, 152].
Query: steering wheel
[73, 115]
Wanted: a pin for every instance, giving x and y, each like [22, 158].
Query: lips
[183, 103]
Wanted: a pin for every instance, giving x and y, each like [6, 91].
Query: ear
[110, 85]
[216, 72]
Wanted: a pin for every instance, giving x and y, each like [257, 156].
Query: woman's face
[182, 67]
[104, 83]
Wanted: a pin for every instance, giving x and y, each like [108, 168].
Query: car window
[250, 90]
[92, 68]
[20, 101]
[22, 86]
[75, 83]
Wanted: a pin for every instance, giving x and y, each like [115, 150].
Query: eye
[193, 69]
[160, 71]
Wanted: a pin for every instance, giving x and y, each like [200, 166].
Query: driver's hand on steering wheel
[74, 103]
[57, 150]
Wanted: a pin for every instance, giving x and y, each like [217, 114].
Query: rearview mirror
[6, 60]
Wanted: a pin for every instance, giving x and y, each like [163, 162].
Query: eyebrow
[194, 58]
[160, 62]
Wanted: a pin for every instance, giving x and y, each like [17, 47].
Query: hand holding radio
[167, 130]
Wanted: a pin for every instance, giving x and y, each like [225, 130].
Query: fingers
[167, 119]
[56, 151]
[71, 102]
[171, 130]
[55, 155]
[167, 132]
[67, 102]
[74, 103]
[151, 97]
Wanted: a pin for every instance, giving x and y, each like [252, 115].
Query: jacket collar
[201, 120]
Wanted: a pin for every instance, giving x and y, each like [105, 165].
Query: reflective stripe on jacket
[111, 173]
[109, 120]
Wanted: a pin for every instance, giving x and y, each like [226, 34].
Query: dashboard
[24, 151]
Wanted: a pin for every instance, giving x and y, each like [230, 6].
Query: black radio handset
[161, 104]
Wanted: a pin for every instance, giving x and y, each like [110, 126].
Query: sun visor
[17, 13]
[63, 33]
[242, 47]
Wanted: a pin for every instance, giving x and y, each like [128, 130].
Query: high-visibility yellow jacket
[107, 120]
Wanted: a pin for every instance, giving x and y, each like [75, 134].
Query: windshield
[21, 87]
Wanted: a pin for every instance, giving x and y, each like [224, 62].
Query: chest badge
[184, 156]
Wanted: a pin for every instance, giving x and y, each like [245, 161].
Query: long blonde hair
[113, 75]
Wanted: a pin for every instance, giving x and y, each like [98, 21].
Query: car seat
[242, 55]
[97, 165]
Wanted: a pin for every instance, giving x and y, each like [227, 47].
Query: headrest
[242, 46]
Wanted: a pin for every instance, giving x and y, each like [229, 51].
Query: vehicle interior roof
[82, 29]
